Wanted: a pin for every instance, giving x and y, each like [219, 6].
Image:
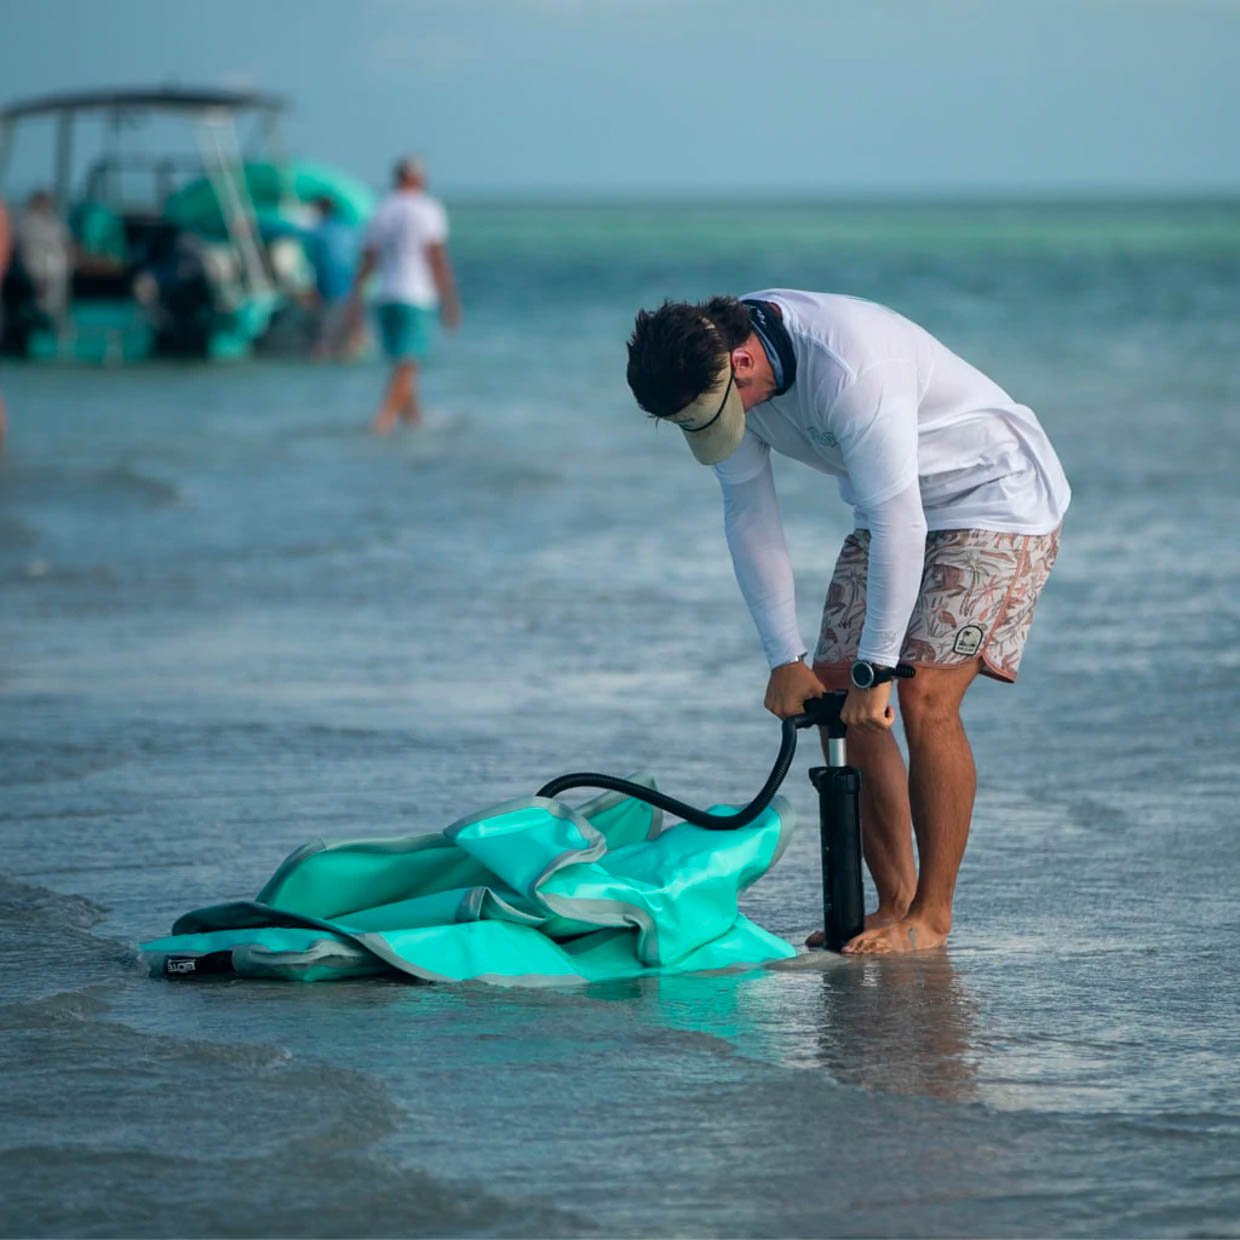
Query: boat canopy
[164, 98]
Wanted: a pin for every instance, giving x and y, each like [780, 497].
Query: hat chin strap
[693, 430]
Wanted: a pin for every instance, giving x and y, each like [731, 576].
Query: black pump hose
[822, 711]
[699, 817]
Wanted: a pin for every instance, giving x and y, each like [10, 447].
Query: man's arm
[763, 569]
[893, 578]
[365, 269]
[445, 284]
[893, 582]
[876, 421]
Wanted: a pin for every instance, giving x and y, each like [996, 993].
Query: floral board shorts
[978, 592]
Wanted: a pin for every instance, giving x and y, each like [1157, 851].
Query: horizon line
[1204, 196]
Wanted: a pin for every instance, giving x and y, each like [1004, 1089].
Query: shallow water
[233, 621]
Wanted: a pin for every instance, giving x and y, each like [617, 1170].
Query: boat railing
[222, 162]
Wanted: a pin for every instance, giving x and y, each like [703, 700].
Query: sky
[608, 99]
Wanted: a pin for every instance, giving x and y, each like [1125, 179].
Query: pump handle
[825, 711]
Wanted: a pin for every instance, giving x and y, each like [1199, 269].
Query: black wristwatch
[866, 675]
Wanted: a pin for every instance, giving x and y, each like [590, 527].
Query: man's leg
[886, 820]
[411, 410]
[942, 781]
[886, 828]
[395, 399]
[886, 835]
[422, 322]
[886, 831]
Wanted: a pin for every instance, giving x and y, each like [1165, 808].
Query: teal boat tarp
[532, 893]
[272, 188]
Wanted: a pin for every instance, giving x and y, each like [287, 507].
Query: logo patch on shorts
[968, 640]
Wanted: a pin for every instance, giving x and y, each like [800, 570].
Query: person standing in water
[406, 245]
[6, 251]
[958, 498]
[332, 246]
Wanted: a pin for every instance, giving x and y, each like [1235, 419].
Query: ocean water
[232, 621]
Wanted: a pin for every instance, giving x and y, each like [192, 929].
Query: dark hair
[675, 351]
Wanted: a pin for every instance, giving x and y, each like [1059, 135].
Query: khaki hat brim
[714, 424]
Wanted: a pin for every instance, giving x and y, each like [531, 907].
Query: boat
[157, 252]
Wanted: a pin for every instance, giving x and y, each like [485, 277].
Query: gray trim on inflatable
[604, 913]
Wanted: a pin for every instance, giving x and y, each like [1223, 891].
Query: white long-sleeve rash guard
[914, 436]
[763, 567]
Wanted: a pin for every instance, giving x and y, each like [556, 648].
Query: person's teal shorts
[406, 331]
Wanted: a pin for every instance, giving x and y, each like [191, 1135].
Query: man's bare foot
[909, 934]
[383, 424]
[873, 921]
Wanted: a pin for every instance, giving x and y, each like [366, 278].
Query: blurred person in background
[44, 252]
[6, 249]
[332, 247]
[406, 245]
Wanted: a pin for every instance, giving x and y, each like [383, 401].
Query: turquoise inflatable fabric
[530, 893]
[271, 186]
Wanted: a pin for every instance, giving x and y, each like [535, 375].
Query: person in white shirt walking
[406, 244]
[958, 498]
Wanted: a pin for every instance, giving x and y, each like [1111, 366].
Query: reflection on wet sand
[900, 1024]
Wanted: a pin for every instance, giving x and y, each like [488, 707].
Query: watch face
[862, 674]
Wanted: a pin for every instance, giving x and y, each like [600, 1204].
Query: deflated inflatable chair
[532, 892]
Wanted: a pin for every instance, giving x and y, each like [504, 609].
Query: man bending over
[957, 498]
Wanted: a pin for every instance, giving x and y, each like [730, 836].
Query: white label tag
[968, 640]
